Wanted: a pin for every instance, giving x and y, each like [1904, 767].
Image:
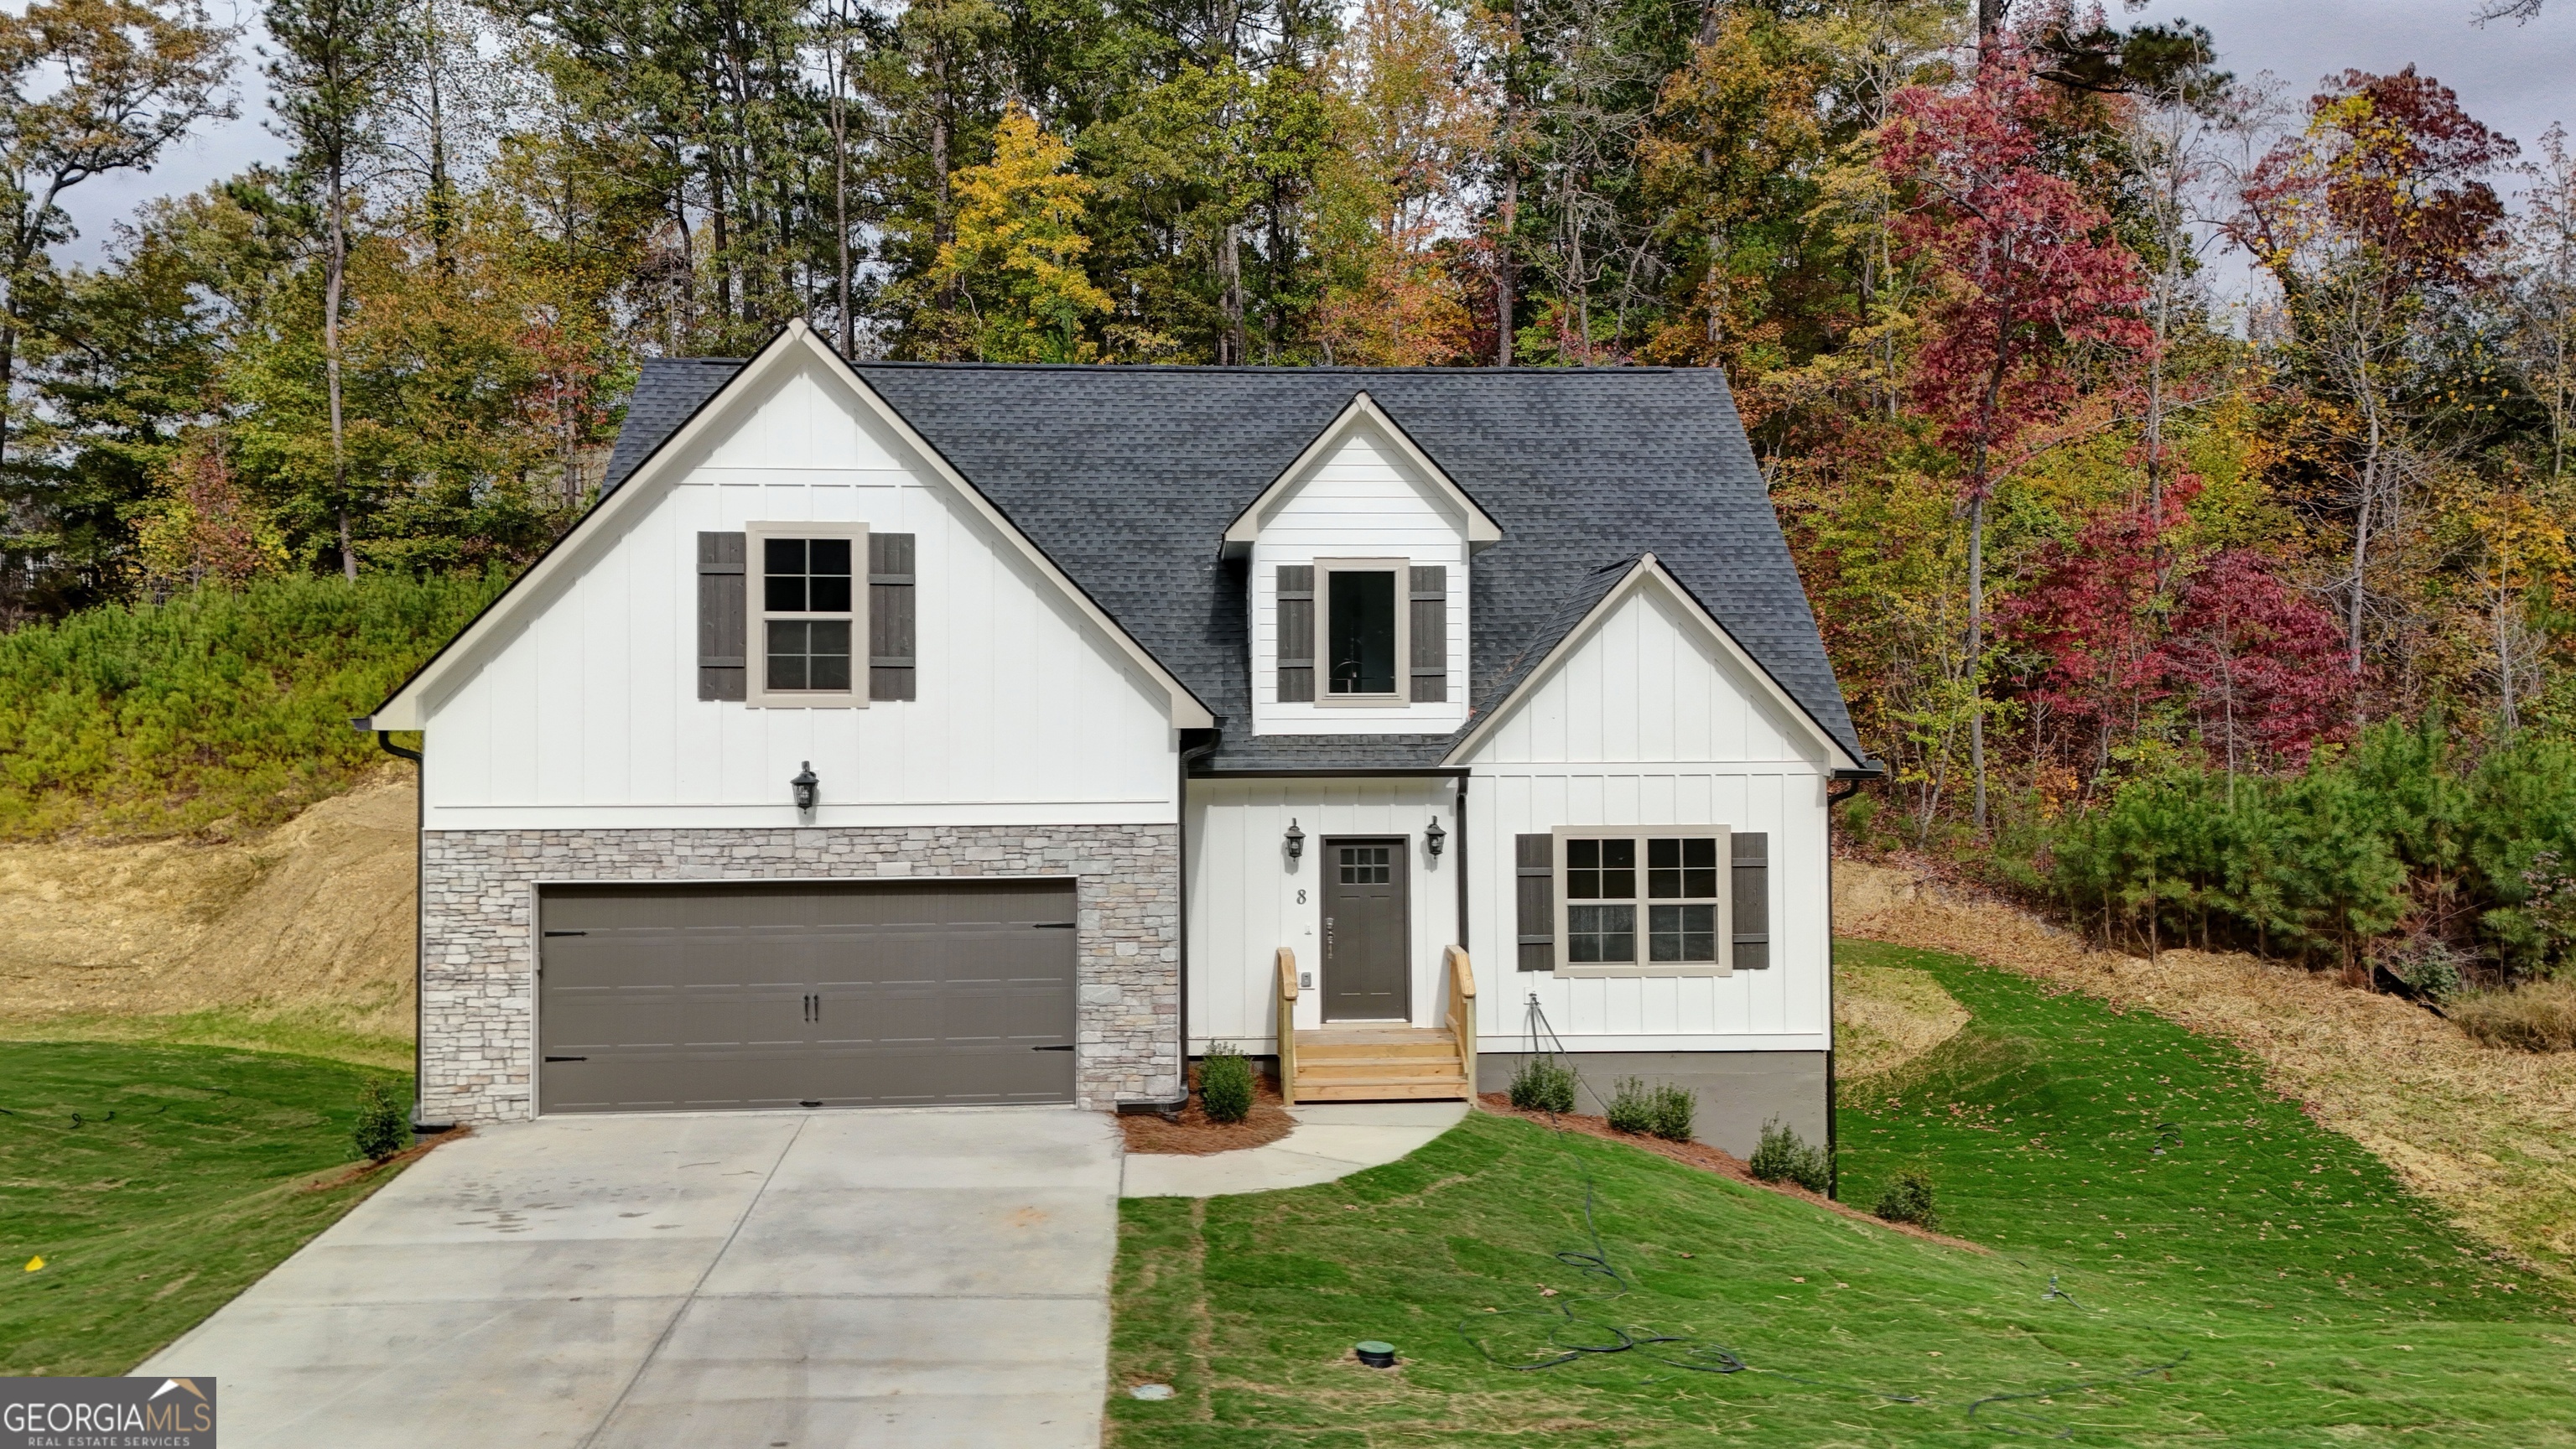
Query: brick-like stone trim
[478, 988]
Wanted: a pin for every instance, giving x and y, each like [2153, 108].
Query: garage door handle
[1051, 925]
[567, 1059]
[567, 933]
[1068, 1046]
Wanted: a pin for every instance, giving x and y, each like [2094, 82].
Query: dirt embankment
[312, 921]
[2488, 1133]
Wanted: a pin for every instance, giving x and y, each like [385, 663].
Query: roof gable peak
[1362, 412]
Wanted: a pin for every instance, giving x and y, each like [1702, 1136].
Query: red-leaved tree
[2261, 664]
[2027, 273]
[2090, 620]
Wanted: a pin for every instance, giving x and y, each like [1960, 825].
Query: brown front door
[1364, 937]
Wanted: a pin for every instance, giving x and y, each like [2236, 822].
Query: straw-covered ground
[2488, 1133]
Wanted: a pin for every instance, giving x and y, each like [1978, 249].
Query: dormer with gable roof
[1359, 557]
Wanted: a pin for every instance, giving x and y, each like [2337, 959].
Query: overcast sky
[2516, 78]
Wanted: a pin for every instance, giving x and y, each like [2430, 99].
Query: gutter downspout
[1462, 862]
[1850, 782]
[419, 920]
[1172, 1108]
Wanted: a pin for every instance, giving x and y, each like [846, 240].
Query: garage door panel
[695, 995]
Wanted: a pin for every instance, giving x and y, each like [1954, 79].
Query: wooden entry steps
[1389, 1063]
[1379, 1064]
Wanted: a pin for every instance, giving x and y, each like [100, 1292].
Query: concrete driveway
[877, 1278]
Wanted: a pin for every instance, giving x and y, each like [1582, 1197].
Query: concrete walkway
[877, 1278]
[1330, 1140]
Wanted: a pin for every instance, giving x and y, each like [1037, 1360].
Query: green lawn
[156, 1182]
[2367, 1321]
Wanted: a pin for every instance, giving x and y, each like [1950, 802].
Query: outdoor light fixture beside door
[806, 786]
[1435, 837]
[1296, 839]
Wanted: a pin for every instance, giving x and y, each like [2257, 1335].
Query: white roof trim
[1481, 528]
[795, 345]
[1648, 569]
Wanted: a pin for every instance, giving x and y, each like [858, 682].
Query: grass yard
[2296, 1293]
[157, 1181]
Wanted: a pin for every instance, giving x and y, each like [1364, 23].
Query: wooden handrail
[1462, 1013]
[1287, 1026]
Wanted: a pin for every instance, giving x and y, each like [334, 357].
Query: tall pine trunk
[1233, 347]
[335, 270]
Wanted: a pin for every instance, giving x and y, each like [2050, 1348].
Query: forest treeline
[2138, 426]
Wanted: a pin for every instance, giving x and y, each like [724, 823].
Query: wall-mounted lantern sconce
[1296, 839]
[806, 786]
[1435, 837]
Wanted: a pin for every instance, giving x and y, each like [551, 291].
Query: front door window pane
[1361, 608]
[1367, 865]
[809, 654]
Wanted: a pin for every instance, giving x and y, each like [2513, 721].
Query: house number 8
[1301, 898]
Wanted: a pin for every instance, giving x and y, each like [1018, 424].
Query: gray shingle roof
[1128, 476]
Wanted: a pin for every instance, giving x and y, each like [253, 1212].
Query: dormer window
[1363, 631]
[1382, 638]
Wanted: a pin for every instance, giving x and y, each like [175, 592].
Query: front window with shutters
[1655, 900]
[1365, 632]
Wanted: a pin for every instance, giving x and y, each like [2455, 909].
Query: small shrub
[1784, 1156]
[1543, 1084]
[2427, 965]
[384, 1128]
[1675, 1107]
[1225, 1084]
[2538, 1016]
[1908, 1199]
[1632, 1107]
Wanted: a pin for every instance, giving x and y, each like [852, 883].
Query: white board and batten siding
[1245, 894]
[589, 717]
[1360, 499]
[1648, 722]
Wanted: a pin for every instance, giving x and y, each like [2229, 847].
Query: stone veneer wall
[479, 990]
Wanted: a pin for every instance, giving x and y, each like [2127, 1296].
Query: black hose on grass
[1705, 1356]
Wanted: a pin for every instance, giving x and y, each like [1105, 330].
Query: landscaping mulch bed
[1711, 1159]
[1194, 1135]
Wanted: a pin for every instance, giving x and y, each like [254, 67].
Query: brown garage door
[686, 997]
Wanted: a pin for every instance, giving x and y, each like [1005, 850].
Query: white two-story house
[908, 734]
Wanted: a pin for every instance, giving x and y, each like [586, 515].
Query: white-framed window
[1657, 900]
[807, 587]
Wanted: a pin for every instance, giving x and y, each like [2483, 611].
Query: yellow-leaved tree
[1015, 263]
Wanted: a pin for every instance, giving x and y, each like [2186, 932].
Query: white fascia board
[792, 347]
[1648, 571]
[1482, 530]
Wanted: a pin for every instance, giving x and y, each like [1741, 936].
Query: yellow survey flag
[35, 1262]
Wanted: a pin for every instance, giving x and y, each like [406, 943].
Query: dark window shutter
[1752, 901]
[1430, 626]
[890, 578]
[1296, 633]
[721, 674]
[1536, 894]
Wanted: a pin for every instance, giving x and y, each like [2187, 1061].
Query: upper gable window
[812, 615]
[1375, 630]
[785, 617]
